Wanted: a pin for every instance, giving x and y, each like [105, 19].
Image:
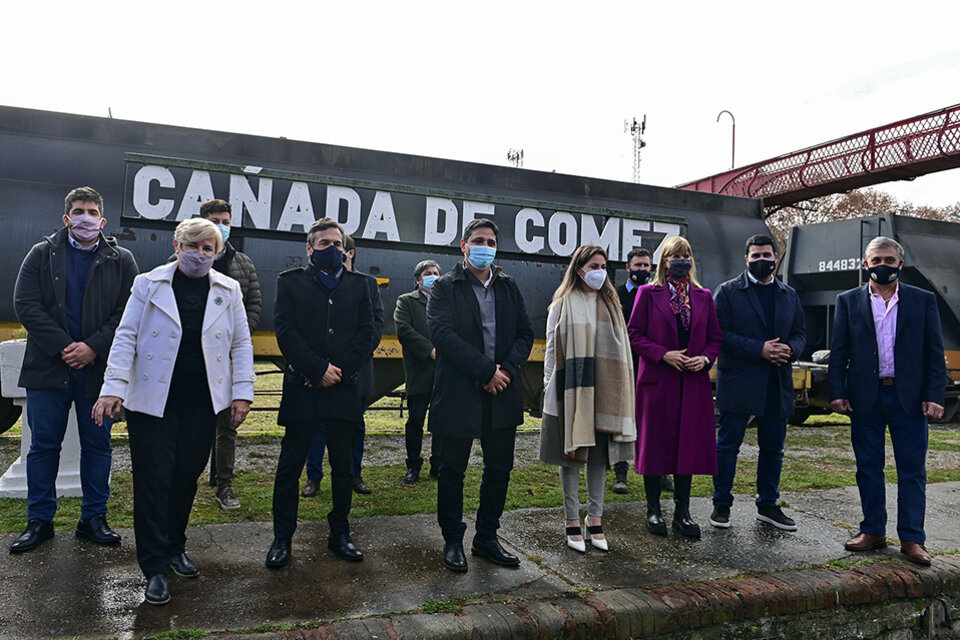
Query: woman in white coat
[181, 354]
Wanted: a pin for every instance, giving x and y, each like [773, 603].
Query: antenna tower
[636, 131]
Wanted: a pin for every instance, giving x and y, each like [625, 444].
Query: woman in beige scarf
[588, 407]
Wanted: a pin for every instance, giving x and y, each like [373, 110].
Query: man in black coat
[887, 368]
[69, 296]
[324, 326]
[365, 377]
[639, 266]
[479, 326]
[763, 331]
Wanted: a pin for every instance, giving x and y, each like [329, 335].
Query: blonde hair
[572, 280]
[671, 247]
[197, 229]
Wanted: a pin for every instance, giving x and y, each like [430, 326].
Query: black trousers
[293, 455]
[417, 406]
[168, 455]
[454, 454]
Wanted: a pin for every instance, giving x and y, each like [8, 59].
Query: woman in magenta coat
[675, 331]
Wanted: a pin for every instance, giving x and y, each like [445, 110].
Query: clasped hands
[331, 376]
[776, 352]
[499, 381]
[77, 355]
[679, 360]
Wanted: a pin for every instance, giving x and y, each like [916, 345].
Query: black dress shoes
[97, 530]
[492, 551]
[413, 475]
[343, 547]
[453, 557]
[279, 554]
[183, 566]
[37, 531]
[655, 523]
[158, 590]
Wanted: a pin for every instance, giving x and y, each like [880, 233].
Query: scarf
[592, 384]
[680, 298]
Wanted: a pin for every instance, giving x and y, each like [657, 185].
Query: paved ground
[69, 588]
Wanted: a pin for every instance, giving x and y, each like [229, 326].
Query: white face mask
[595, 278]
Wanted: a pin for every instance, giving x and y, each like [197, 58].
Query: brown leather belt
[887, 382]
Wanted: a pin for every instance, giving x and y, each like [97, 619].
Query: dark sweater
[191, 296]
[767, 295]
[78, 268]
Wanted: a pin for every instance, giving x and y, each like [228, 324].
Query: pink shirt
[885, 322]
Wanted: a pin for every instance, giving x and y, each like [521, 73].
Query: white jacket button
[146, 376]
[154, 332]
[220, 379]
[149, 356]
[220, 358]
[219, 334]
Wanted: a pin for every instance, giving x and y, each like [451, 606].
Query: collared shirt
[487, 300]
[76, 245]
[755, 281]
[630, 285]
[885, 322]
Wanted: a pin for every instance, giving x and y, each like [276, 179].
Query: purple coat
[674, 436]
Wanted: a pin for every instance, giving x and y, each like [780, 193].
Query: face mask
[884, 274]
[680, 268]
[224, 231]
[639, 276]
[195, 265]
[481, 257]
[595, 278]
[428, 282]
[328, 259]
[85, 227]
[761, 268]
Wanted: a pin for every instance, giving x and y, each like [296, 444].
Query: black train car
[400, 208]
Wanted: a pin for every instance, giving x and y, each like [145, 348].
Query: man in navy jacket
[763, 331]
[69, 296]
[479, 326]
[887, 368]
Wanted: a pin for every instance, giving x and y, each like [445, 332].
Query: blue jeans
[771, 433]
[909, 436]
[47, 413]
[318, 446]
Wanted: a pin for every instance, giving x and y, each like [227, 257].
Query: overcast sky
[469, 82]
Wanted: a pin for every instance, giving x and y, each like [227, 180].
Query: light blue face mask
[428, 282]
[224, 231]
[481, 257]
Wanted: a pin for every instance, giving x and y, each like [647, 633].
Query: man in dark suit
[324, 325]
[887, 369]
[483, 337]
[419, 364]
[639, 267]
[763, 331]
[365, 378]
[69, 295]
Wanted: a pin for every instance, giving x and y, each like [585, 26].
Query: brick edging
[646, 612]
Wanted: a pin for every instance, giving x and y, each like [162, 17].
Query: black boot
[620, 484]
[655, 522]
[682, 521]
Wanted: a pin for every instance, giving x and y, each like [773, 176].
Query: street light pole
[733, 137]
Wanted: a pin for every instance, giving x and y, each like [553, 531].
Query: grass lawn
[817, 457]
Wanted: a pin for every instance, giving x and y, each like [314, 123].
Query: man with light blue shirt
[887, 369]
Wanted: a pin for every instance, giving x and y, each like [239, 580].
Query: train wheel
[9, 414]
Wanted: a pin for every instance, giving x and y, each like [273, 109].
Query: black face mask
[884, 274]
[761, 268]
[639, 276]
[680, 268]
[327, 259]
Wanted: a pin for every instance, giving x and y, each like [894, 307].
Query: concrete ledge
[883, 599]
